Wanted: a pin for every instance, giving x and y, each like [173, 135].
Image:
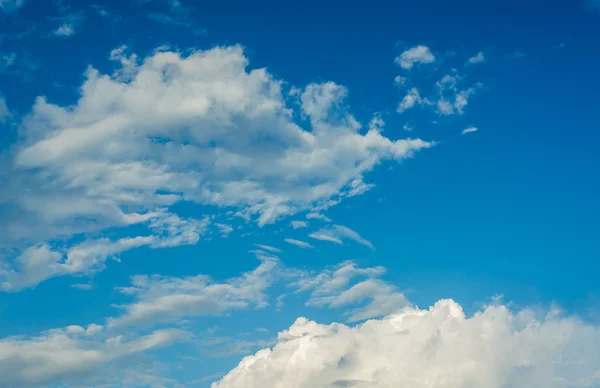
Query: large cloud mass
[167, 128]
[435, 348]
[199, 127]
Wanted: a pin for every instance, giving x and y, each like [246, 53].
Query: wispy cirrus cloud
[298, 243]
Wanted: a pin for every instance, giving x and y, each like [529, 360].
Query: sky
[299, 194]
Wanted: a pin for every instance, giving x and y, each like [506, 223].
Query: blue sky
[183, 180]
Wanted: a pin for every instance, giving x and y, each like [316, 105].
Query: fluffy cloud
[201, 128]
[336, 233]
[415, 55]
[410, 100]
[72, 353]
[438, 347]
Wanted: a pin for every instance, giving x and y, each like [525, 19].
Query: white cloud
[201, 127]
[224, 229]
[65, 29]
[451, 99]
[161, 299]
[299, 224]
[479, 58]
[415, 55]
[438, 347]
[318, 216]
[336, 233]
[469, 130]
[269, 248]
[298, 243]
[61, 355]
[325, 237]
[69, 23]
[410, 100]
[337, 288]
[400, 81]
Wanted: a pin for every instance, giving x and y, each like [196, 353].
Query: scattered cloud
[410, 100]
[69, 25]
[469, 130]
[200, 127]
[298, 243]
[416, 55]
[224, 229]
[337, 288]
[38, 263]
[479, 58]
[400, 80]
[269, 248]
[325, 237]
[163, 299]
[299, 224]
[318, 216]
[336, 233]
[414, 347]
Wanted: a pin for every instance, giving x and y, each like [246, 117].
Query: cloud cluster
[337, 287]
[435, 348]
[170, 127]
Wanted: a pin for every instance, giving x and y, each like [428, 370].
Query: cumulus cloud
[415, 55]
[298, 243]
[335, 234]
[438, 347]
[469, 130]
[74, 352]
[201, 127]
[479, 58]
